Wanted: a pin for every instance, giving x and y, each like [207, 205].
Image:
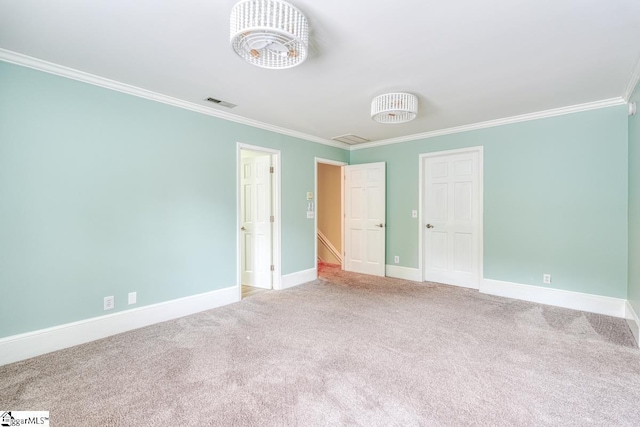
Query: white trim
[315, 192]
[499, 122]
[405, 273]
[480, 150]
[276, 238]
[298, 278]
[60, 70]
[70, 73]
[19, 347]
[568, 299]
[633, 321]
[633, 82]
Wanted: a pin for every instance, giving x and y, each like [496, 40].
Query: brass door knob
[243, 229]
[380, 225]
[429, 226]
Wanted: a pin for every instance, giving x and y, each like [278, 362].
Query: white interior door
[365, 218]
[451, 218]
[255, 210]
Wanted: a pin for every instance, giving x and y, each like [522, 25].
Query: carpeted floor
[350, 350]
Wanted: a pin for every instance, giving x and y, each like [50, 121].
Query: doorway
[451, 188]
[258, 220]
[329, 196]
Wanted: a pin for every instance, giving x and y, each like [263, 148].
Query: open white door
[255, 208]
[452, 218]
[365, 218]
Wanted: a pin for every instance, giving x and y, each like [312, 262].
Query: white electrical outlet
[133, 297]
[109, 303]
[414, 214]
[396, 259]
[546, 279]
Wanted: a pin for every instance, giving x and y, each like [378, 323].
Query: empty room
[300, 213]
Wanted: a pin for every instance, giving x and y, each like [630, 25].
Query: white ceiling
[468, 61]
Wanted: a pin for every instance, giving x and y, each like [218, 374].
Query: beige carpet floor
[346, 350]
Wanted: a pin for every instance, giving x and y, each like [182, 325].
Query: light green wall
[555, 199]
[103, 193]
[634, 207]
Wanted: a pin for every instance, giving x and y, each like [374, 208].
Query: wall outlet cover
[109, 303]
[133, 298]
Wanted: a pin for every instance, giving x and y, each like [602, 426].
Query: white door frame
[275, 200]
[315, 216]
[421, 225]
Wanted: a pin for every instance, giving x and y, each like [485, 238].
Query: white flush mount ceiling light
[269, 33]
[394, 108]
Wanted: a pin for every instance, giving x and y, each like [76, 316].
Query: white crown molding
[498, 122]
[60, 70]
[633, 82]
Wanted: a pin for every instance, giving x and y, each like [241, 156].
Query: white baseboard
[24, 346]
[405, 273]
[298, 278]
[576, 300]
[634, 322]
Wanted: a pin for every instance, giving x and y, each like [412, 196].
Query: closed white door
[365, 218]
[451, 219]
[255, 210]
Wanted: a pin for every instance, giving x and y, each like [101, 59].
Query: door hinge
[273, 268]
[272, 218]
[271, 169]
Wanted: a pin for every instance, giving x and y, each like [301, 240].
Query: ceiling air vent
[222, 103]
[350, 139]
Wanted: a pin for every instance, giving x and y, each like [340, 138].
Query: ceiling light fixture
[394, 108]
[269, 33]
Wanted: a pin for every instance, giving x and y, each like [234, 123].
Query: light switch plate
[133, 298]
[414, 214]
[309, 195]
[309, 215]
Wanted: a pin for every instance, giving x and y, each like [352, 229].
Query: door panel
[256, 214]
[451, 207]
[365, 217]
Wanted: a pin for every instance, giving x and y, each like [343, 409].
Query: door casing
[421, 224]
[276, 207]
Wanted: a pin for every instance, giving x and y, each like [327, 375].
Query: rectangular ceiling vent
[219, 102]
[350, 139]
